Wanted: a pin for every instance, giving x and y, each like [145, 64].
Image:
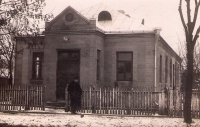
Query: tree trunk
[10, 73]
[188, 87]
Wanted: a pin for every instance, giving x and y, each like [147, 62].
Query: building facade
[100, 48]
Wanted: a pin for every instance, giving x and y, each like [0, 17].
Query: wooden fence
[139, 101]
[136, 101]
[22, 98]
[171, 103]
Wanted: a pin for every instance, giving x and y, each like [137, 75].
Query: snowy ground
[61, 119]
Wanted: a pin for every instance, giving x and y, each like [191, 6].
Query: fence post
[43, 97]
[129, 103]
[171, 107]
[27, 107]
[161, 102]
[178, 103]
[93, 99]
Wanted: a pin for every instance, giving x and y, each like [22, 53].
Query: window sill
[36, 81]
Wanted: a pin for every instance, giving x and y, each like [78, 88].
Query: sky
[156, 13]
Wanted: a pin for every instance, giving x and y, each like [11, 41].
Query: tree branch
[195, 13]
[196, 36]
[182, 19]
[195, 2]
[188, 12]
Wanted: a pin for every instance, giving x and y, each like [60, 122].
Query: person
[75, 93]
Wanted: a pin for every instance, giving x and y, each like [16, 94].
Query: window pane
[160, 69]
[128, 71]
[125, 56]
[120, 71]
[128, 76]
[75, 55]
[63, 55]
[166, 69]
[98, 71]
[128, 66]
[98, 64]
[170, 72]
[37, 71]
[124, 66]
[37, 58]
[120, 76]
[121, 67]
[37, 65]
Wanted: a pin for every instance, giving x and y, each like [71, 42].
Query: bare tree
[196, 64]
[18, 18]
[191, 40]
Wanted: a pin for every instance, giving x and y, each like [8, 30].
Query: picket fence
[135, 101]
[22, 98]
[139, 101]
[172, 101]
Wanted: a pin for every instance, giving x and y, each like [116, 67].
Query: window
[98, 64]
[166, 69]
[160, 69]
[124, 66]
[37, 65]
[71, 55]
[104, 15]
[69, 17]
[170, 72]
[173, 71]
[176, 73]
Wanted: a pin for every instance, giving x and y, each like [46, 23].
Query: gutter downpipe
[157, 35]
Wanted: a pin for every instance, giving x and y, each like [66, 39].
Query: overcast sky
[156, 13]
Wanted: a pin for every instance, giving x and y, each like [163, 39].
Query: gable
[69, 19]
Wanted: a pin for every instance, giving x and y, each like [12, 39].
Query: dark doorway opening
[68, 66]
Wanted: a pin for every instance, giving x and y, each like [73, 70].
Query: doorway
[68, 66]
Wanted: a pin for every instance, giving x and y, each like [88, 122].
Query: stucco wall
[23, 61]
[18, 64]
[166, 52]
[142, 47]
[86, 43]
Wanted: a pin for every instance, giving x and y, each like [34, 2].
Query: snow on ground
[90, 120]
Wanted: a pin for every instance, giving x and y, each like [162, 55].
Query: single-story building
[104, 47]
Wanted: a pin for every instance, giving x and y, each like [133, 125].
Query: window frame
[166, 69]
[173, 73]
[34, 64]
[170, 72]
[124, 61]
[160, 78]
[98, 64]
[104, 15]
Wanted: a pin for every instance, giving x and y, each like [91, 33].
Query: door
[68, 67]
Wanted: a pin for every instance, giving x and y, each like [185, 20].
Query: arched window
[104, 15]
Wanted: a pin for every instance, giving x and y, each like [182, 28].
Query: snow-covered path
[66, 119]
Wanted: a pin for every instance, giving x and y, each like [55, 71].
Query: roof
[120, 20]
[63, 12]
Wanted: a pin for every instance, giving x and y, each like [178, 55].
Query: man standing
[75, 93]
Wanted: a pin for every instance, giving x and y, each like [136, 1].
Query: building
[105, 48]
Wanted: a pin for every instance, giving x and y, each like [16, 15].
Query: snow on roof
[120, 20]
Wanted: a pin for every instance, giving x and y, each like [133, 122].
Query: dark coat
[75, 93]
